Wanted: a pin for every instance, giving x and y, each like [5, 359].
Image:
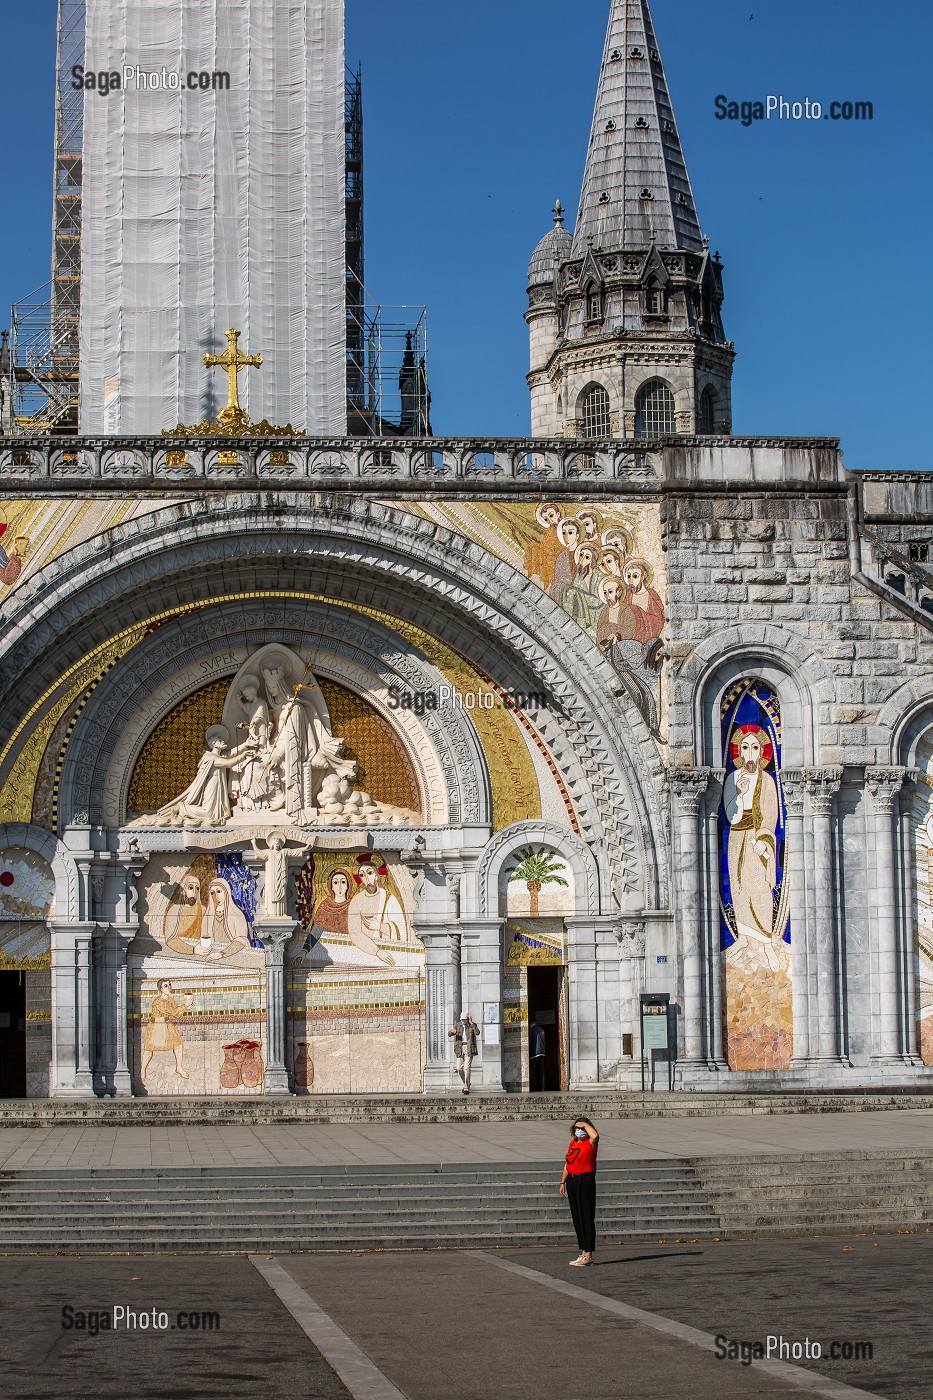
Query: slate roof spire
[636, 190]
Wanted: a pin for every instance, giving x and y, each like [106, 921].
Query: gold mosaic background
[170, 756]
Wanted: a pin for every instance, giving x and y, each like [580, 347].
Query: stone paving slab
[80, 1147]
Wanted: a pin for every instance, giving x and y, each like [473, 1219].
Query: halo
[375, 860]
[590, 513]
[591, 548]
[546, 505]
[275, 659]
[617, 556]
[646, 570]
[250, 679]
[626, 536]
[562, 527]
[217, 731]
[767, 748]
[601, 590]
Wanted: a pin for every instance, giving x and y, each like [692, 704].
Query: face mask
[580, 1133]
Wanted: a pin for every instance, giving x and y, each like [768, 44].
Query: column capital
[688, 786]
[274, 934]
[884, 784]
[794, 786]
[822, 785]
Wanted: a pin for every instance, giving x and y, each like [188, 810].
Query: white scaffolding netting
[208, 209]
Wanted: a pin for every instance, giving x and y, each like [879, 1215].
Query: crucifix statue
[233, 416]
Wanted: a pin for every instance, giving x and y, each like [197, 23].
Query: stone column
[72, 1070]
[793, 785]
[275, 935]
[712, 1023]
[582, 1031]
[822, 955]
[441, 994]
[887, 1034]
[481, 982]
[687, 788]
[631, 936]
[907, 892]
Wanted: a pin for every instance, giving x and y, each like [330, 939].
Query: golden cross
[232, 361]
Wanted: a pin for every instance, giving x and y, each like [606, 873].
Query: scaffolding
[388, 372]
[44, 349]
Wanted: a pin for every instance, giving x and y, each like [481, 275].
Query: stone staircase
[216, 1209]
[235, 1110]
[819, 1193]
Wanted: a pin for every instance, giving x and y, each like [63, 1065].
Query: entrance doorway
[546, 1006]
[12, 1035]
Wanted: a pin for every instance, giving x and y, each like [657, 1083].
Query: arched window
[654, 298]
[654, 410]
[706, 417]
[595, 413]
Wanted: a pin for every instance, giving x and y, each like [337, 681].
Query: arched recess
[173, 661]
[583, 863]
[784, 663]
[377, 553]
[911, 719]
[56, 855]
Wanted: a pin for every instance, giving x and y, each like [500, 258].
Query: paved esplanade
[379, 1144]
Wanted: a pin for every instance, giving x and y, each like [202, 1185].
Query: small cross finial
[558, 212]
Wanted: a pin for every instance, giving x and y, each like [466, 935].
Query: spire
[636, 190]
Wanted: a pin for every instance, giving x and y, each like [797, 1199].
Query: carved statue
[285, 764]
[276, 863]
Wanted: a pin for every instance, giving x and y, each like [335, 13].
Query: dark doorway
[545, 985]
[12, 1035]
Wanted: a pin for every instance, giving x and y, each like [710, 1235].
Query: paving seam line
[781, 1370]
[362, 1377]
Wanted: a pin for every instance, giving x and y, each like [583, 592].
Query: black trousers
[581, 1193]
[536, 1075]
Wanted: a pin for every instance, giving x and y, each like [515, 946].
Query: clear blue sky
[477, 117]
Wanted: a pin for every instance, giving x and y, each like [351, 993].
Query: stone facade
[774, 565]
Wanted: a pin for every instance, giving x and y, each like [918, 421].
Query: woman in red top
[578, 1184]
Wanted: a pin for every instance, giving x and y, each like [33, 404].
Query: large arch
[369, 552]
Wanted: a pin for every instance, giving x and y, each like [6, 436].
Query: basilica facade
[308, 744]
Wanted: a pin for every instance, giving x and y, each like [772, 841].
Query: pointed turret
[636, 189]
[624, 316]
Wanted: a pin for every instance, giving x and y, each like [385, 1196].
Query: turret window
[594, 304]
[706, 417]
[654, 298]
[595, 413]
[654, 411]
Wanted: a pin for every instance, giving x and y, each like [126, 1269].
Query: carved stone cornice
[631, 936]
[884, 784]
[822, 785]
[688, 786]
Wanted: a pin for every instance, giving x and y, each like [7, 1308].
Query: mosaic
[604, 566]
[538, 943]
[921, 815]
[754, 925]
[536, 882]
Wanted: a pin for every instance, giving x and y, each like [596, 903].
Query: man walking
[464, 1037]
[536, 1052]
